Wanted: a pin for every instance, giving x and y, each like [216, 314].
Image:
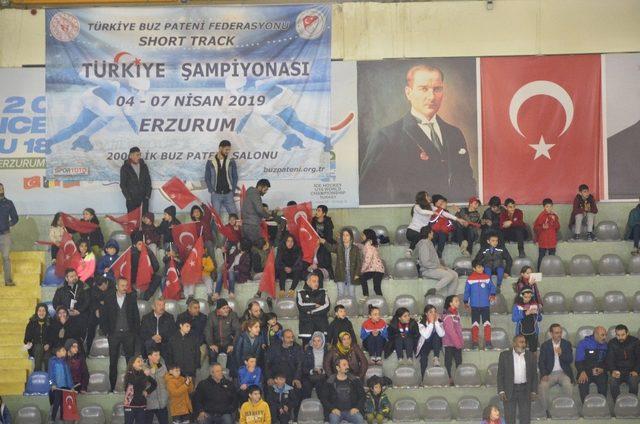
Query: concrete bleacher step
[11, 388]
[10, 352]
[12, 338]
[17, 292]
[19, 304]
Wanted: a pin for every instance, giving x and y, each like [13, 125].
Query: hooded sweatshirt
[313, 359]
[164, 229]
[107, 261]
[150, 231]
[255, 412]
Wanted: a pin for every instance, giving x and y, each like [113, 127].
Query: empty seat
[611, 332]
[584, 302]
[499, 305]
[552, 266]
[468, 409]
[120, 383]
[595, 406]
[435, 377]
[462, 265]
[28, 414]
[405, 269]
[584, 331]
[467, 375]
[99, 348]
[311, 411]
[635, 302]
[607, 231]
[401, 236]
[286, 308]
[519, 263]
[373, 370]
[554, 303]
[581, 265]
[354, 231]
[406, 376]
[437, 409]
[171, 306]
[500, 339]
[491, 377]
[627, 406]
[382, 233]
[406, 301]
[405, 409]
[262, 302]
[563, 408]
[611, 264]
[98, 383]
[232, 304]
[121, 238]
[143, 308]
[614, 301]
[92, 414]
[117, 416]
[37, 383]
[634, 265]
[50, 277]
[466, 338]
[350, 305]
[204, 306]
[378, 301]
[435, 300]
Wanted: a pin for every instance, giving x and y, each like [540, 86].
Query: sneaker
[463, 247]
[576, 237]
[9, 283]
[280, 294]
[436, 362]
[488, 346]
[522, 254]
[474, 346]
[635, 252]
[408, 253]
[291, 293]
[591, 237]
[451, 384]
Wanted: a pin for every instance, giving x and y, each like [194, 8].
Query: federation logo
[310, 24]
[64, 27]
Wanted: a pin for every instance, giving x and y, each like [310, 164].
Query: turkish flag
[268, 280]
[185, 236]
[228, 233]
[291, 213]
[68, 255]
[192, 268]
[172, 282]
[308, 239]
[31, 182]
[122, 267]
[177, 192]
[130, 222]
[541, 126]
[243, 195]
[78, 225]
[145, 269]
[69, 405]
[264, 231]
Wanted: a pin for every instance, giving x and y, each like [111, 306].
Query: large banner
[177, 81]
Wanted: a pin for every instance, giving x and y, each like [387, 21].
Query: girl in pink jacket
[372, 266]
[452, 340]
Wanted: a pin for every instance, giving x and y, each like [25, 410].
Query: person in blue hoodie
[103, 269]
[59, 379]
[250, 374]
[591, 364]
[526, 314]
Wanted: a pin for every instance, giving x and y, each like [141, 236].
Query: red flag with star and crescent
[145, 269]
[68, 255]
[308, 239]
[78, 225]
[122, 267]
[291, 213]
[69, 405]
[541, 126]
[192, 268]
[185, 236]
[177, 192]
[268, 280]
[172, 284]
[130, 222]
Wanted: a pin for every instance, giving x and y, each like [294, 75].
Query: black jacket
[329, 398]
[138, 382]
[285, 360]
[215, 398]
[327, 228]
[547, 358]
[134, 187]
[336, 327]
[109, 312]
[288, 397]
[166, 326]
[185, 352]
[36, 332]
[506, 373]
[624, 357]
[393, 333]
[57, 334]
[495, 257]
[64, 294]
[198, 324]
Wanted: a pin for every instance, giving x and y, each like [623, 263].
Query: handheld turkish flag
[130, 222]
[69, 405]
[145, 269]
[291, 214]
[82, 227]
[68, 255]
[264, 231]
[192, 268]
[243, 195]
[122, 267]
[178, 193]
[172, 282]
[541, 126]
[308, 239]
[268, 280]
[185, 236]
[222, 229]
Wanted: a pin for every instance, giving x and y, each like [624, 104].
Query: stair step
[24, 279]
[20, 303]
[35, 255]
[16, 292]
[14, 376]
[15, 351]
[15, 364]
[11, 339]
[11, 388]
[24, 267]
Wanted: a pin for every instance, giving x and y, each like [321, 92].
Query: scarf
[453, 311]
[342, 349]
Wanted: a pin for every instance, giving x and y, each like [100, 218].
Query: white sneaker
[408, 253]
[463, 247]
[436, 362]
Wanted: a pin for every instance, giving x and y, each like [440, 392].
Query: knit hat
[171, 210]
[69, 343]
[134, 149]
[221, 303]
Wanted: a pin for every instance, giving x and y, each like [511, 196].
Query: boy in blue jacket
[59, 379]
[110, 255]
[479, 292]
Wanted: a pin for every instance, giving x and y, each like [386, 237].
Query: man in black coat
[120, 323]
[313, 305]
[136, 249]
[215, 399]
[420, 147]
[554, 363]
[157, 326]
[197, 319]
[286, 358]
[73, 295]
[343, 397]
[517, 381]
[135, 181]
[623, 361]
[184, 349]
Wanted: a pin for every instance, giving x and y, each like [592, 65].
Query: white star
[542, 149]
[192, 263]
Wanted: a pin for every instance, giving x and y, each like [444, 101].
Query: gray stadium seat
[538, 412]
[634, 265]
[354, 230]
[350, 305]
[610, 265]
[380, 230]
[92, 414]
[261, 301]
[499, 306]
[204, 306]
[437, 409]
[435, 300]
[627, 406]
[554, 303]
[518, 263]
[563, 408]
[98, 383]
[468, 409]
[406, 376]
[143, 307]
[467, 375]
[311, 412]
[405, 409]
[436, 377]
[635, 302]
[122, 238]
[584, 302]
[584, 331]
[491, 377]
[607, 231]
[401, 236]
[466, 337]
[286, 308]
[171, 306]
[373, 370]
[232, 304]
[119, 383]
[611, 332]
[500, 339]
[99, 348]
[595, 406]
[117, 416]
[378, 301]
[614, 301]
[405, 269]
[552, 266]
[462, 265]
[28, 414]
[406, 301]
[581, 265]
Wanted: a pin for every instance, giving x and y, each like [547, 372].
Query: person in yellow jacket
[208, 268]
[255, 410]
[179, 388]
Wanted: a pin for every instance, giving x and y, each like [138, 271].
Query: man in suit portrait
[517, 381]
[420, 151]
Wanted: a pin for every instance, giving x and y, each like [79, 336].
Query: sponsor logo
[64, 27]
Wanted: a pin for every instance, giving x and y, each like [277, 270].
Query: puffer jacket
[159, 397]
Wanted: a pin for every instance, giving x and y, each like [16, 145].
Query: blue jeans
[226, 201]
[374, 345]
[232, 277]
[404, 346]
[346, 416]
[216, 419]
[499, 272]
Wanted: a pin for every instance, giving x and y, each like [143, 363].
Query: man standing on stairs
[8, 218]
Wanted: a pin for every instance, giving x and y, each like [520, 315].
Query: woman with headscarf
[313, 375]
[349, 350]
[289, 265]
[35, 337]
[63, 328]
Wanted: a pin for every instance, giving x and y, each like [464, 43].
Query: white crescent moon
[124, 263]
[185, 233]
[299, 214]
[537, 88]
[64, 248]
[68, 399]
[173, 271]
[302, 229]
